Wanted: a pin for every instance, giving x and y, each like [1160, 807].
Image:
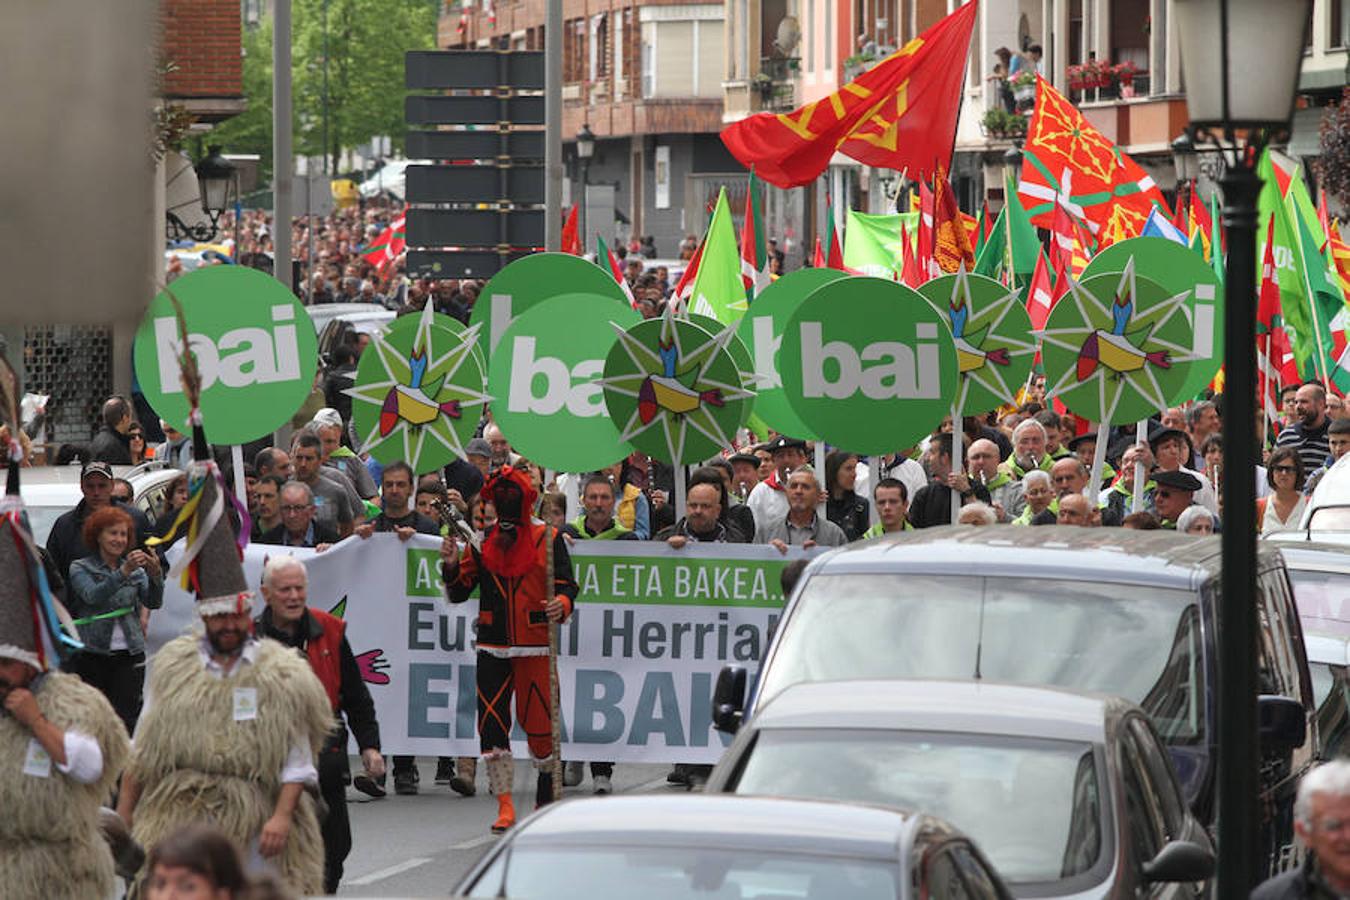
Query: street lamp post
[1240, 115]
[585, 150]
[215, 177]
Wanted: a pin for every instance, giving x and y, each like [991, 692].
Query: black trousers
[336, 827]
[119, 676]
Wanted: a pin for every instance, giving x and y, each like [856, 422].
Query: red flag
[1066, 160]
[389, 245]
[818, 256]
[571, 239]
[910, 273]
[1179, 216]
[684, 288]
[924, 252]
[951, 238]
[1274, 353]
[900, 114]
[754, 247]
[1040, 294]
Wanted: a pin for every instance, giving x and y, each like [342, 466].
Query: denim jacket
[95, 588]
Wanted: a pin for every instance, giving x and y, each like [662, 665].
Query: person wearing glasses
[298, 526]
[1283, 508]
[1173, 495]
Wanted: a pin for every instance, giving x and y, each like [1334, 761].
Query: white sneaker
[573, 772]
[602, 785]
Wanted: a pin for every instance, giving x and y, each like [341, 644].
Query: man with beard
[520, 600]
[231, 723]
[1308, 433]
[62, 743]
[1028, 440]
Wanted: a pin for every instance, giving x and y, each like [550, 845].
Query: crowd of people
[289, 668]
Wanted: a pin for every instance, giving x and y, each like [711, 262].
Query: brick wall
[202, 38]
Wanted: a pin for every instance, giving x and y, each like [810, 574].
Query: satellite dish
[789, 36]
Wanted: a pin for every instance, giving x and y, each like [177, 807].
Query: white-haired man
[322, 640]
[1029, 454]
[1322, 820]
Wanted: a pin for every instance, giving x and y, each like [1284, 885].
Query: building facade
[646, 79]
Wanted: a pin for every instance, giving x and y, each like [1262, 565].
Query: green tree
[366, 41]
[251, 130]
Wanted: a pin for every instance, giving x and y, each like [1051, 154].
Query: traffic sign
[470, 69]
[475, 184]
[484, 144]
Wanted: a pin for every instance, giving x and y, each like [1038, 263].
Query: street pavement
[421, 846]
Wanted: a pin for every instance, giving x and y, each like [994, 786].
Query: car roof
[972, 707]
[1120, 555]
[727, 821]
[1315, 555]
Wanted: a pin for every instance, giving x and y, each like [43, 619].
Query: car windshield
[1321, 594]
[1032, 806]
[667, 873]
[1330, 518]
[1137, 641]
[1323, 679]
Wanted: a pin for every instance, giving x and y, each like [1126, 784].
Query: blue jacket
[96, 589]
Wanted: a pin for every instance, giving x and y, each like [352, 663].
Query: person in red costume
[518, 599]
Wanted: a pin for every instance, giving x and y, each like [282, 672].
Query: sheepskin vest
[50, 844]
[195, 763]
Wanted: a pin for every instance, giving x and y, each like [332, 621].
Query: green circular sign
[417, 395]
[992, 332]
[869, 364]
[532, 280]
[545, 382]
[761, 330]
[740, 355]
[1176, 269]
[412, 323]
[255, 347]
[673, 390]
[1116, 348]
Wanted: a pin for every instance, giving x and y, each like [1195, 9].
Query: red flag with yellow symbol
[899, 114]
[1066, 160]
[951, 237]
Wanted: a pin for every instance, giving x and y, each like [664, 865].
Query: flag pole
[1321, 354]
[1264, 376]
[1140, 437]
[958, 458]
[1094, 485]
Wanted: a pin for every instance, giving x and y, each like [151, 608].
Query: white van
[1329, 507]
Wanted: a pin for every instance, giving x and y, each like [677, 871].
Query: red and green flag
[1066, 160]
[754, 243]
[389, 244]
[606, 259]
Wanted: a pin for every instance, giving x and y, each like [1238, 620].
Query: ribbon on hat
[51, 622]
[200, 526]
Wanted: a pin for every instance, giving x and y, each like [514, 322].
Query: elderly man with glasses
[298, 526]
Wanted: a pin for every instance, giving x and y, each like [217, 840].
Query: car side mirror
[1180, 861]
[1283, 724]
[728, 701]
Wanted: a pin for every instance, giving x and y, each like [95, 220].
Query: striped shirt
[1311, 443]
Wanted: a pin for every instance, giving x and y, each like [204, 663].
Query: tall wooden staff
[554, 704]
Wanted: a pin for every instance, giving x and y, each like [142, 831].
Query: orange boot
[501, 773]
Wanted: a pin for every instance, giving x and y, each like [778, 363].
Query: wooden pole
[554, 702]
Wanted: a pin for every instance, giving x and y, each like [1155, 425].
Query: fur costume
[195, 763]
[50, 844]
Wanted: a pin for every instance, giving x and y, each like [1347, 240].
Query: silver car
[1070, 795]
[703, 847]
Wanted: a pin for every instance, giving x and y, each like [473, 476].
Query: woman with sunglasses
[1282, 510]
[136, 445]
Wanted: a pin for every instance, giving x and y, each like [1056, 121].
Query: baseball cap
[96, 468]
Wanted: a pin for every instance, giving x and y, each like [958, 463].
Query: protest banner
[638, 660]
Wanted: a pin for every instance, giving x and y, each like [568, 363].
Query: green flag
[1328, 301]
[992, 258]
[718, 289]
[1216, 239]
[872, 243]
[1288, 271]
